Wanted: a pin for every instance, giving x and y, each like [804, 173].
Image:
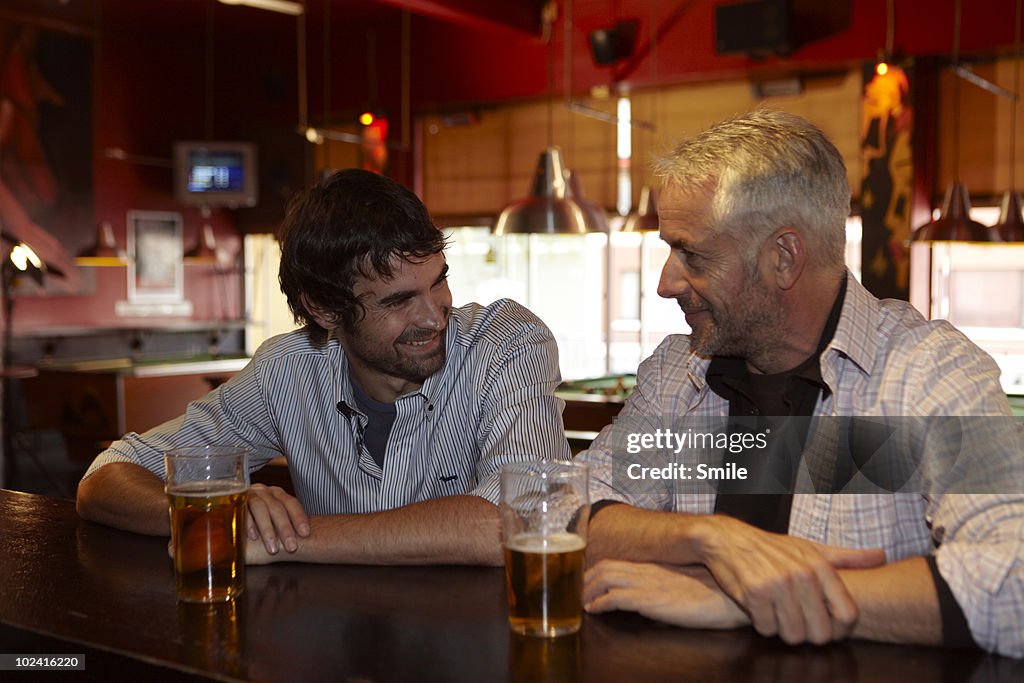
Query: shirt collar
[855, 334]
[731, 370]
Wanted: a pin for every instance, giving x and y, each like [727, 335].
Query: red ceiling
[481, 51]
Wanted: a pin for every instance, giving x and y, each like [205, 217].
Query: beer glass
[544, 512]
[207, 488]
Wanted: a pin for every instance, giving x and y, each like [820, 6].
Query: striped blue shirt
[492, 403]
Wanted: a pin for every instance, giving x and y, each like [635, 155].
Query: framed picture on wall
[155, 257]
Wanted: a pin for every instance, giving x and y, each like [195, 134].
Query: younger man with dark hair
[394, 409]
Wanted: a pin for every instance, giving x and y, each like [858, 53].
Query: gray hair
[768, 169]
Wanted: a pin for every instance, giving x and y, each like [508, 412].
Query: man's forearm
[452, 530]
[621, 531]
[898, 602]
[125, 496]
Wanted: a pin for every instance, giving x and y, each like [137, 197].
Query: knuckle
[792, 637]
[847, 619]
[803, 575]
[766, 627]
[821, 637]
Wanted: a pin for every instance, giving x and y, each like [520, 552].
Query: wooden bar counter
[72, 587]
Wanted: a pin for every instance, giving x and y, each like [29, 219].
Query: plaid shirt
[493, 402]
[884, 360]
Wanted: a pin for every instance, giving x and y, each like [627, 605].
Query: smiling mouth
[419, 341]
[691, 311]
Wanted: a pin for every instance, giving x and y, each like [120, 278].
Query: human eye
[442, 278]
[689, 256]
[395, 302]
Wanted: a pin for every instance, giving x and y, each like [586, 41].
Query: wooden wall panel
[984, 146]
[479, 167]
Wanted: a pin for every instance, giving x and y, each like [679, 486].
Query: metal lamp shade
[645, 218]
[954, 222]
[1010, 227]
[104, 251]
[205, 250]
[596, 219]
[548, 209]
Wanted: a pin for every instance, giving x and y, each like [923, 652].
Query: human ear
[324, 318]
[790, 252]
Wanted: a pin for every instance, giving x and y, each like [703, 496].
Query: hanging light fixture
[205, 250]
[1010, 226]
[550, 207]
[103, 251]
[594, 214]
[954, 221]
[645, 218]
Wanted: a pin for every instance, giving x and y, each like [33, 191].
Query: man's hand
[684, 596]
[277, 518]
[788, 586]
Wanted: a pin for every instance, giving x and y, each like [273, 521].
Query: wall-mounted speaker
[609, 45]
[756, 27]
[760, 28]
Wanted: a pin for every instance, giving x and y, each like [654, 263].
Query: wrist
[694, 538]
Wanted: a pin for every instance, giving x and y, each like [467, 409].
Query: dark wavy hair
[352, 223]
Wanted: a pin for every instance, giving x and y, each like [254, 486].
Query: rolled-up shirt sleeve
[981, 558]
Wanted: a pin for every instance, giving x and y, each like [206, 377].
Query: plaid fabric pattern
[884, 360]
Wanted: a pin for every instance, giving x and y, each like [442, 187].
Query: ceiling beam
[522, 16]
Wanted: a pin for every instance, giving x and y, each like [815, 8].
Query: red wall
[151, 88]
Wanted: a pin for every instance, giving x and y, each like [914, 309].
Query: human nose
[673, 283]
[433, 310]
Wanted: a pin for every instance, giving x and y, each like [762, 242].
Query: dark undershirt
[380, 417]
[765, 401]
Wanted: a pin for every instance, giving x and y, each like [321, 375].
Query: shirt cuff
[955, 631]
[601, 505]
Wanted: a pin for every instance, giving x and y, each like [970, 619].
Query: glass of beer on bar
[207, 490]
[544, 512]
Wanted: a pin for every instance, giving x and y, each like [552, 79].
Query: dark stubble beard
[389, 361]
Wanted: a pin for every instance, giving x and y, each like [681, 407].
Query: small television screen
[215, 174]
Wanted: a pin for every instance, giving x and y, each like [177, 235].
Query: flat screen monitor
[215, 174]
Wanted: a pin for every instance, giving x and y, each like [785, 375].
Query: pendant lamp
[954, 221]
[548, 209]
[645, 218]
[205, 250]
[1010, 226]
[551, 207]
[596, 220]
[104, 251]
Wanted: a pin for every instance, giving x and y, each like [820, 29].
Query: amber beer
[544, 575]
[208, 534]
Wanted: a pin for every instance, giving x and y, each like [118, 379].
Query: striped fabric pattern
[884, 360]
[493, 402]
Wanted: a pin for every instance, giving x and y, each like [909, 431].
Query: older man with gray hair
[754, 210]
